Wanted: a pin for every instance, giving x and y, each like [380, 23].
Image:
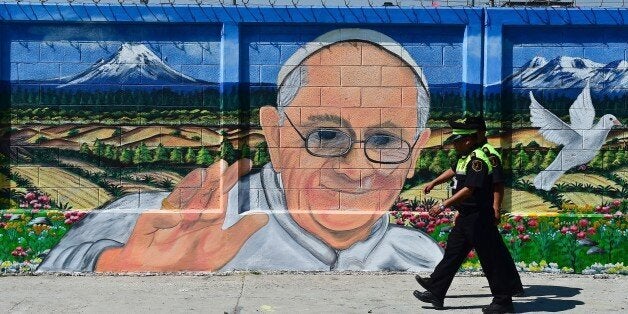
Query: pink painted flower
[616, 203]
[606, 210]
[471, 254]
[525, 238]
[608, 216]
[591, 231]
[564, 230]
[445, 220]
[581, 235]
[573, 228]
[583, 223]
[517, 218]
[430, 230]
[521, 228]
[19, 252]
[618, 214]
[421, 224]
[30, 196]
[533, 223]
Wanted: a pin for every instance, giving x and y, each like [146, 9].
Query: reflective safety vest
[463, 162]
[489, 150]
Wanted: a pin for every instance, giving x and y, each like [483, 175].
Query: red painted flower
[471, 254]
[521, 228]
[583, 223]
[533, 223]
[581, 235]
[564, 230]
[591, 231]
[573, 228]
[517, 218]
[399, 221]
[616, 203]
[507, 227]
[525, 238]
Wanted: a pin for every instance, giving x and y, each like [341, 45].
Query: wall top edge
[167, 13]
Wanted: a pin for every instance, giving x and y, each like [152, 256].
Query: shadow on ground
[538, 298]
[547, 299]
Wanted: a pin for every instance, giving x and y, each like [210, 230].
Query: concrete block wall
[116, 119]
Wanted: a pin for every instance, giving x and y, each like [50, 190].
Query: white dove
[581, 140]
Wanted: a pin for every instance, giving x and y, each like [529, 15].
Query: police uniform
[474, 227]
[495, 160]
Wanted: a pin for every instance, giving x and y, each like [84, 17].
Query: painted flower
[581, 235]
[583, 223]
[533, 223]
[517, 218]
[521, 228]
[507, 227]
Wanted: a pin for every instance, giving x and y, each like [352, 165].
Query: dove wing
[551, 127]
[581, 112]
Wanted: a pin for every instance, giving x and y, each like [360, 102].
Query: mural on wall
[133, 157]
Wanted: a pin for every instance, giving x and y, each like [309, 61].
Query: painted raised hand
[186, 233]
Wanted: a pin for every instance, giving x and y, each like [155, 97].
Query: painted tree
[126, 157]
[535, 162]
[160, 153]
[596, 162]
[520, 160]
[424, 160]
[245, 151]
[190, 156]
[176, 156]
[548, 158]
[261, 156]
[98, 148]
[227, 152]
[608, 158]
[84, 150]
[440, 162]
[204, 158]
[142, 154]
[110, 152]
[620, 157]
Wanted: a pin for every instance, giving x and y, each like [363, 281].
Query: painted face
[357, 105]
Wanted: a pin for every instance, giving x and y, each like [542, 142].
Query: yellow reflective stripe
[493, 151]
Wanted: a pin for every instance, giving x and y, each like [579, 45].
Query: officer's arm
[444, 177]
[460, 196]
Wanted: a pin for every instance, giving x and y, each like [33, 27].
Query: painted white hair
[293, 74]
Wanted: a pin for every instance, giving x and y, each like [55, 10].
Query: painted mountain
[132, 66]
[563, 73]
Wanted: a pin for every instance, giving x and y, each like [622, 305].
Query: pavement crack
[16, 304]
[236, 309]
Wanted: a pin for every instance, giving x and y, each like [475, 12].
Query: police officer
[475, 224]
[498, 176]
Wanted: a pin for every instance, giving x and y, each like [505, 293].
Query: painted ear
[423, 138]
[269, 119]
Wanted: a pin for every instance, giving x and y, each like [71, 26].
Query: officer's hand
[428, 187]
[187, 234]
[498, 216]
[435, 210]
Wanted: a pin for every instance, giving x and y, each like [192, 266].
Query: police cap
[464, 127]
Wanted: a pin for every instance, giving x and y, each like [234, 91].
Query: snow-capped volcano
[132, 64]
[568, 72]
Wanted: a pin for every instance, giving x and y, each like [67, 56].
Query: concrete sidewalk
[297, 293]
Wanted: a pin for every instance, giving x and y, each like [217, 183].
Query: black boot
[495, 308]
[428, 297]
